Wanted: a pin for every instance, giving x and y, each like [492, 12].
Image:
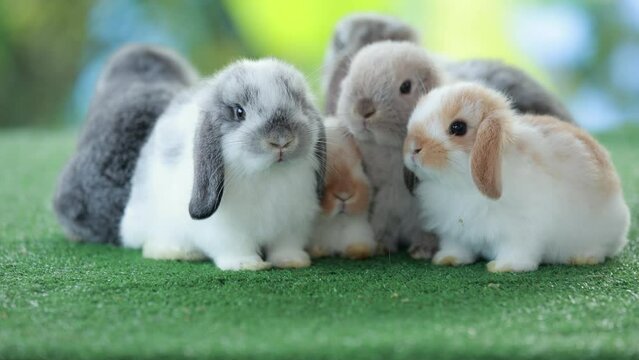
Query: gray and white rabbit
[352, 33]
[234, 167]
[382, 87]
[134, 89]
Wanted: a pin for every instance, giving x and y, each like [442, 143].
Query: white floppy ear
[208, 163]
[486, 155]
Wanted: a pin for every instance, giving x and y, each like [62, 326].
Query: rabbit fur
[134, 89]
[518, 190]
[232, 172]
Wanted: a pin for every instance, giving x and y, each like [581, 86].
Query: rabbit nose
[416, 151]
[281, 142]
[343, 196]
[366, 107]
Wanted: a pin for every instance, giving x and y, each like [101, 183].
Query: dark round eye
[458, 128]
[240, 114]
[405, 87]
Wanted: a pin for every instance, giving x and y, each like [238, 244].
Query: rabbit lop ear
[410, 180]
[208, 179]
[320, 156]
[485, 156]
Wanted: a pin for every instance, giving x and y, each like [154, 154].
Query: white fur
[271, 208]
[557, 214]
[334, 234]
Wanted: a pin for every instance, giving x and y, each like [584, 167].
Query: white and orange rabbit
[518, 190]
[343, 228]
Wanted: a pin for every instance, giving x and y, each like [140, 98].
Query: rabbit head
[381, 90]
[254, 116]
[351, 34]
[347, 188]
[456, 126]
[146, 63]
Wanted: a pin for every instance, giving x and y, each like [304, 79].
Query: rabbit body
[265, 206]
[343, 227]
[557, 197]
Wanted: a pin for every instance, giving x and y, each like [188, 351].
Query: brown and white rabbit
[518, 190]
[343, 228]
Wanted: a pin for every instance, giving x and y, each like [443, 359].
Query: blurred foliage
[41, 46]
[51, 51]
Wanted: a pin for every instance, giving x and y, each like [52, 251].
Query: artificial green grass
[65, 300]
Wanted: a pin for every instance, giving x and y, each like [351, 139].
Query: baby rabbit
[135, 87]
[377, 118]
[351, 34]
[343, 226]
[234, 167]
[379, 93]
[519, 190]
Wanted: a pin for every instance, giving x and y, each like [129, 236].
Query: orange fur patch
[433, 153]
[485, 158]
[598, 155]
[344, 175]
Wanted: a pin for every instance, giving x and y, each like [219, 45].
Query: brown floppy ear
[485, 156]
[208, 177]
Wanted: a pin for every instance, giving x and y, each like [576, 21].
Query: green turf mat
[64, 300]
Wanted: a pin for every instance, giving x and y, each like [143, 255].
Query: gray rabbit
[136, 86]
[351, 34]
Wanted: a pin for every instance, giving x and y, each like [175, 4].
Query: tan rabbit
[519, 190]
[343, 228]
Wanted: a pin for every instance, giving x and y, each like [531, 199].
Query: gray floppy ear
[208, 166]
[320, 155]
[410, 180]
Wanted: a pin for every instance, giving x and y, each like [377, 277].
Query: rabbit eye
[458, 128]
[240, 114]
[405, 87]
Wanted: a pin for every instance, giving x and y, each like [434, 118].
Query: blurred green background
[51, 51]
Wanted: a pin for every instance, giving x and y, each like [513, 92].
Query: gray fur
[527, 95]
[136, 86]
[350, 35]
[208, 179]
[239, 85]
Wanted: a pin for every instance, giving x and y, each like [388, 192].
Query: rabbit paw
[497, 266]
[289, 259]
[447, 258]
[167, 252]
[252, 263]
[358, 251]
[317, 251]
[585, 260]
[424, 247]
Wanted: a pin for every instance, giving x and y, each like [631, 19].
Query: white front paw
[253, 263]
[158, 251]
[289, 258]
[453, 257]
[507, 265]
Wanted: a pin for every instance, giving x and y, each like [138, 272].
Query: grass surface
[64, 300]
